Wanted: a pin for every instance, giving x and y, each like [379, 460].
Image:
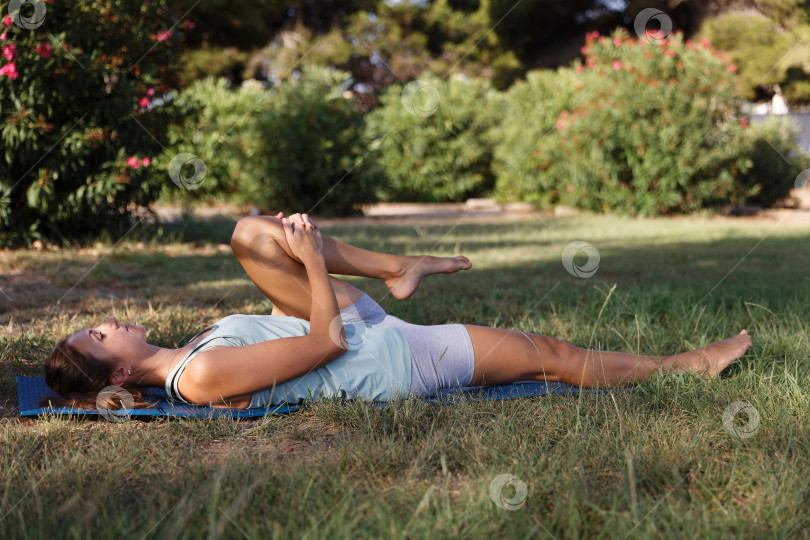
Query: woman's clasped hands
[303, 235]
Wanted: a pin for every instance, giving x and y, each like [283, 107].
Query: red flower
[7, 20]
[133, 162]
[561, 120]
[44, 49]
[143, 102]
[10, 71]
[10, 52]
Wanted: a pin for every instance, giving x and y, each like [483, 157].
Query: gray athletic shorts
[441, 355]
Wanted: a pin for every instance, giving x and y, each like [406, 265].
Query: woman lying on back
[325, 337]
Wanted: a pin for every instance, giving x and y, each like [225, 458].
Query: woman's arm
[224, 372]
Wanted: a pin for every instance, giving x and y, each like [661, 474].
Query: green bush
[219, 129]
[432, 137]
[311, 154]
[651, 129]
[75, 123]
[774, 160]
[212, 62]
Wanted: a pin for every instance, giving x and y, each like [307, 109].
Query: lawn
[659, 461]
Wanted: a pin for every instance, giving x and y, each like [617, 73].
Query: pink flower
[133, 162]
[617, 66]
[150, 92]
[561, 120]
[3, 36]
[617, 41]
[146, 161]
[732, 68]
[10, 52]
[143, 102]
[44, 49]
[7, 20]
[705, 43]
[163, 36]
[580, 69]
[10, 71]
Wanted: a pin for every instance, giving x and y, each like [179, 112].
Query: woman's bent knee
[248, 228]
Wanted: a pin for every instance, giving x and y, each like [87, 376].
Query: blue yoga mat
[31, 389]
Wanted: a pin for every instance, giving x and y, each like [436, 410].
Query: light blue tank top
[377, 366]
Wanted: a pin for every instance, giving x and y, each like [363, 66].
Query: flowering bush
[645, 127]
[77, 118]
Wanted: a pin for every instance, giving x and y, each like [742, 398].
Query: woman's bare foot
[414, 268]
[713, 358]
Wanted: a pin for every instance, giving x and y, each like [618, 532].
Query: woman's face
[111, 342]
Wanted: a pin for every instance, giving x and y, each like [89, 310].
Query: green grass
[654, 462]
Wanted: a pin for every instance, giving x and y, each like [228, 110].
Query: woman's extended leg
[261, 247]
[506, 356]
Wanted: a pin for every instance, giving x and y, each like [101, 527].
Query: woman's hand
[305, 240]
[298, 219]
